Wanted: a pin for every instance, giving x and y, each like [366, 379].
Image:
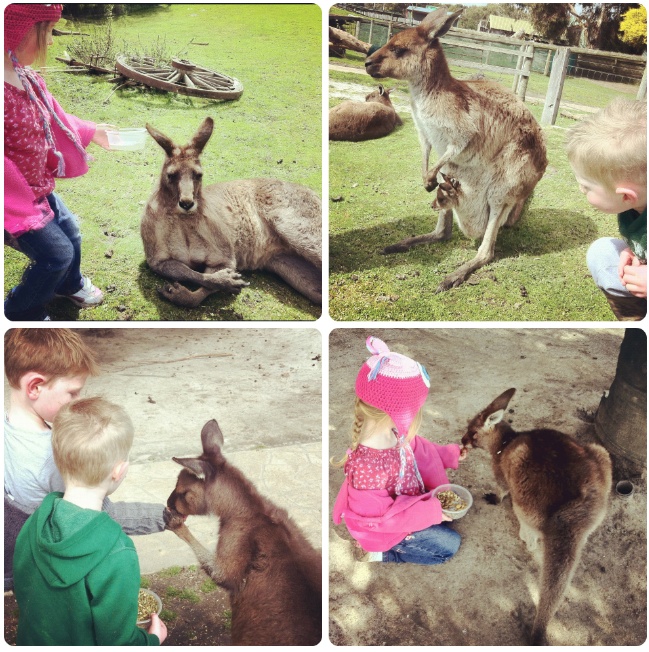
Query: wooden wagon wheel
[181, 77]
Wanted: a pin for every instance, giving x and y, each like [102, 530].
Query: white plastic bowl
[126, 140]
[463, 493]
[147, 621]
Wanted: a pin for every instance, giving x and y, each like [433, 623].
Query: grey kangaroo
[205, 234]
[559, 491]
[271, 571]
[487, 140]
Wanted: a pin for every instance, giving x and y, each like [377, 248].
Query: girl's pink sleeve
[84, 128]
[449, 454]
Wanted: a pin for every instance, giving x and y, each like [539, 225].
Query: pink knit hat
[20, 18]
[393, 383]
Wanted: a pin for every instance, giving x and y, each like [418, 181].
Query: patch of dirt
[195, 611]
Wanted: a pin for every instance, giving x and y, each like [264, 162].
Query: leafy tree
[600, 21]
[634, 27]
[474, 14]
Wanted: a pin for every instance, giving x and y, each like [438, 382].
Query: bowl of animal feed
[455, 500]
[126, 140]
[148, 603]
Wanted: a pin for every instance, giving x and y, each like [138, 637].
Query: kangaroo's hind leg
[300, 274]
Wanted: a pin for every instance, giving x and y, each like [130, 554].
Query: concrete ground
[486, 594]
[263, 386]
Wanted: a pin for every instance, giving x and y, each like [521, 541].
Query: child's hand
[446, 517]
[464, 451]
[626, 258]
[634, 278]
[158, 628]
[101, 137]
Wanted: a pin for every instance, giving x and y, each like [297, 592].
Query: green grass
[539, 273]
[275, 51]
[182, 594]
[172, 571]
[208, 586]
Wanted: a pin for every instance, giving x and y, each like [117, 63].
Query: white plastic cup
[147, 621]
[126, 140]
[463, 493]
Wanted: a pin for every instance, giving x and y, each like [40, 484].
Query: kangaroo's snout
[186, 204]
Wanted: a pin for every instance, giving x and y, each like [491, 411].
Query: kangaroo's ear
[381, 89]
[212, 438]
[198, 467]
[202, 135]
[437, 23]
[497, 407]
[494, 418]
[164, 141]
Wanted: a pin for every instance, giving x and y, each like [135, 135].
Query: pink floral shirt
[372, 468]
[24, 140]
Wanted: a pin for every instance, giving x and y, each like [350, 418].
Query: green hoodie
[76, 579]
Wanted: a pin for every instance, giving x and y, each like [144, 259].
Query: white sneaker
[87, 296]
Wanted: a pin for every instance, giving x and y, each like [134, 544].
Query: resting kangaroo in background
[204, 235]
[357, 121]
[486, 139]
[272, 573]
[559, 490]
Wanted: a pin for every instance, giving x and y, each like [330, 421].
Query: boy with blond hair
[47, 368]
[77, 574]
[608, 154]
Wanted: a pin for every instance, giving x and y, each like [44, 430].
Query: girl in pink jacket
[385, 499]
[41, 143]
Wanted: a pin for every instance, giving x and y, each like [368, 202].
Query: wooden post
[389, 31]
[642, 91]
[358, 28]
[527, 67]
[369, 40]
[548, 61]
[555, 86]
[519, 63]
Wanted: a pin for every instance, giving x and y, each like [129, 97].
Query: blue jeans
[55, 254]
[434, 545]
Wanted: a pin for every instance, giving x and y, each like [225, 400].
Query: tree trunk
[621, 420]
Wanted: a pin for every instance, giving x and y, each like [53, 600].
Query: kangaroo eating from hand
[204, 235]
[559, 491]
[485, 137]
[271, 572]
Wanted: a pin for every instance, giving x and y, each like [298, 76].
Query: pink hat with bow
[393, 383]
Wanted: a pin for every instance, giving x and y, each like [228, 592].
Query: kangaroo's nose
[186, 204]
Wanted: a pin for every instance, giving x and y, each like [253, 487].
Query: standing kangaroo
[487, 140]
[559, 491]
[204, 235]
[272, 573]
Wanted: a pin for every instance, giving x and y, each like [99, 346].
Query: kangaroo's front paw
[179, 295]
[492, 499]
[172, 520]
[447, 194]
[228, 280]
[430, 182]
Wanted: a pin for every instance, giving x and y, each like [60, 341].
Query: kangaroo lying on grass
[559, 490]
[272, 573]
[486, 139]
[357, 121]
[204, 235]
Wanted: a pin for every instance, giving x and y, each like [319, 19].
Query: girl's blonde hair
[611, 146]
[89, 437]
[364, 412]
[42, 30]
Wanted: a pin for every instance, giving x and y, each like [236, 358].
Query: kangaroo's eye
[399, 52]
[173, 176]
[198, 176]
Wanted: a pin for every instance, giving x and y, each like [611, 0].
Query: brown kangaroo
[559, 491]
[355, 121]
[204, 235]
[271, 572]
[485, 137]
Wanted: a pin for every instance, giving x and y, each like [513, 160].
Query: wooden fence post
[642, 91]
[555, 86]
[519, 63]
[546, 72]
[369, 40]
[527, 67]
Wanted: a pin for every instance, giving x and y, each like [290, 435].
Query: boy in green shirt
[77, 575]
[608, 153]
